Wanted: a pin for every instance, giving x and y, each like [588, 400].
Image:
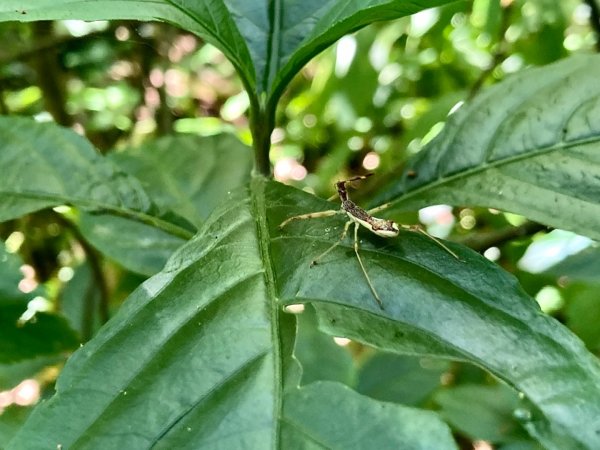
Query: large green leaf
[44, 165]
[468, 309]
[198, 356]
[530, 145]
[194, 359]
[267, 41]
[186, 174]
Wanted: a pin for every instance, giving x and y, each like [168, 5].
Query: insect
[360, 217]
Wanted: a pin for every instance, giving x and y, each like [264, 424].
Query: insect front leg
[315, 215]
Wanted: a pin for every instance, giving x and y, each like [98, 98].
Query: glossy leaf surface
[467, 309]
[46, 166]
[194, 358]
[529, 145]
[268, 42]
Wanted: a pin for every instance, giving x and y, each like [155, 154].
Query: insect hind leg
[338, 242]
[364, 270]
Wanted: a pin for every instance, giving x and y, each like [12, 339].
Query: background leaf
[186, 174]
[320, 357]
[350, 420]
[189, 175]
[528, 145]
[482, 412]
[44, 334]
[50, 166]
[401, 379]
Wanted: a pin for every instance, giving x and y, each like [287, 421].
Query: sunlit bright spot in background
[408, 111]
[176, 83]
[294, 309]
[24, 394]
[14, 241]
[432, 133]
[183, 46]
[341, 341]
[512, 64]
[371, 161]
[482, 445]
[65, 274]
[467, 219]
[122, 33]
[235, 106]
[438, 219]
[549, 299]
[344, 55]
[28, 283]
[582, 14]
[421, 22]
[356, 143]
[278, 135]
[492, 253]
[550, 249]
[289, 169]
[78, 28]
[456, 107]
[37, 304]
[309, 120]
[363, 124]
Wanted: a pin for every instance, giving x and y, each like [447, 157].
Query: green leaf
[185, 360]
[199, 355]
[47, 165]
[528, 145]
[326, 414]
[186, 174]
[482, 412]
[467, 309]
[267, 42]
[11, 374]
[320, 357]
[192, 357]
[11, 419]
[399, 378]
[583, 266]
[138, 247]
[582, 312]
[189, 175]
[44, 334]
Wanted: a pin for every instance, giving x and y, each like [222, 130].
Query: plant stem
[262, 122]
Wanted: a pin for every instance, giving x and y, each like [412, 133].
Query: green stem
[262, 122]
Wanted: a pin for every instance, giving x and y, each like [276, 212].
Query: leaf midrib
[258, 185]
[147, 219]
[441, 181]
